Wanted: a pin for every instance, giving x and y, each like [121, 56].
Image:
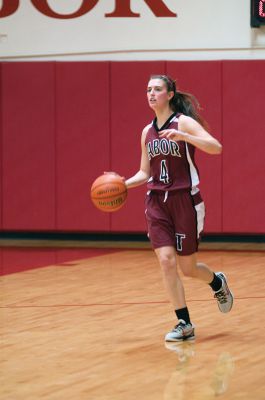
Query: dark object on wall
[257, 13]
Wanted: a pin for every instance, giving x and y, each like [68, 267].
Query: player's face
[157, 95]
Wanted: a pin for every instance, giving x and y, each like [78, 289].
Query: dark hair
[184, 103]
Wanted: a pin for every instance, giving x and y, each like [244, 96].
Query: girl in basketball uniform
[174, 206]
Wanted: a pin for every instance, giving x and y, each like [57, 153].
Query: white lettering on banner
[122, 9]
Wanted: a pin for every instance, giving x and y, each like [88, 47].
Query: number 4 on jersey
[164, 177]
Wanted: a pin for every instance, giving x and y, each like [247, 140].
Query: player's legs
[168, 262]
[217, 281]
[191, 268]
[184, 330]
[189, 216]
[162, 235]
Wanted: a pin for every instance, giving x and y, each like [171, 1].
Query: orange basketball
[108, 192]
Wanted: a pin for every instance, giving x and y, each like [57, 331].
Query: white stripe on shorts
[200, 210]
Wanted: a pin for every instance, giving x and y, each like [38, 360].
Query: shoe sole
[180, 340]
[185, 339]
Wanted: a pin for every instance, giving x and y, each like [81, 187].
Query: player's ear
[170, 95]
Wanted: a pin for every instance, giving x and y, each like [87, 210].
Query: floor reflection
[194, 378]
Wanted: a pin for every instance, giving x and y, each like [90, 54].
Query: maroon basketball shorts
[175, 219]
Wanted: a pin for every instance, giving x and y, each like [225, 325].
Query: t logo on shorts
[179, 239]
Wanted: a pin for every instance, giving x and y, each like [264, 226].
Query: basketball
[108, 192]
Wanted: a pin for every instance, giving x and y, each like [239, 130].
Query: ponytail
[184, 103]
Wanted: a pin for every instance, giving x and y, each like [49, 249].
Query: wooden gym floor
[90, 326]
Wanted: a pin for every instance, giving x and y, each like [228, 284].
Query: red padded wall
[203, 80]
[129, 114]
[63, 124]
[1, 151]
[28, 142]
[83, 142]
[243, 169]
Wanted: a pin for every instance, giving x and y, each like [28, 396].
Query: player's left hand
[173, 134]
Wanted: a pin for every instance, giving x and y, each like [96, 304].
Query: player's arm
[192, 132]
[143, 174]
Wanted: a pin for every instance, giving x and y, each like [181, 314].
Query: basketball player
[174, 206]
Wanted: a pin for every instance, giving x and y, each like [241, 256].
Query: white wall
[203, 29]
